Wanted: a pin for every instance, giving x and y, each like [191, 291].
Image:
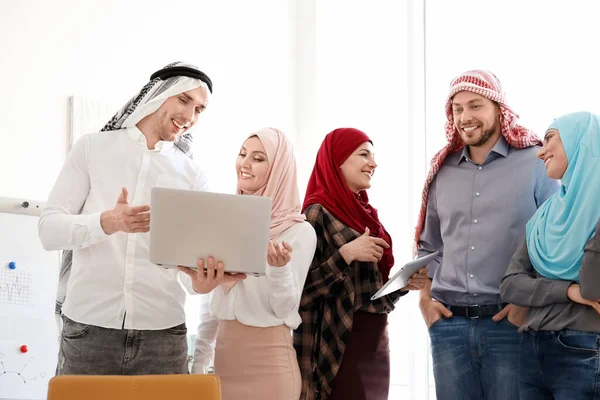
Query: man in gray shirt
[481, 191]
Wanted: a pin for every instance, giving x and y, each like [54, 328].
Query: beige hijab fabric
[282, 181]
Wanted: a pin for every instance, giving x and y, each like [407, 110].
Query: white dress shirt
[266, 301]
[112, 282]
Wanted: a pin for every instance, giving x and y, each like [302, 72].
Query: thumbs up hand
[364, 248]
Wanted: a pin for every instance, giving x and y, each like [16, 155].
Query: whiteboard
[27, 300]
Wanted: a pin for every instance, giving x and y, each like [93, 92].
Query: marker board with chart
[28, 279]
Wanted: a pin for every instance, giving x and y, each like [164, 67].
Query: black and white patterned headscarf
[174, 78]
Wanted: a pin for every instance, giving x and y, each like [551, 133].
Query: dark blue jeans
[559, 365]
[475, 359]
[92, 350]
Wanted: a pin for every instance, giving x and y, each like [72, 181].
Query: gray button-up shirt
[476, 216]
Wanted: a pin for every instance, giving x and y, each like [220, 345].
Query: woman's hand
[574, 294]
[364, 248]
[206, 281]
[279, 256]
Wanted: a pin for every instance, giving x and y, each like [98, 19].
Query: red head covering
[486, 84]
[327, 186]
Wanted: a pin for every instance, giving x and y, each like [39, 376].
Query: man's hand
[433, 311]
[516, 315]
[418, 280]
[124, 218]
[206, 281]
[364, 248]
[574, 294]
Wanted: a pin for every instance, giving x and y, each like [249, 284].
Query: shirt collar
[501, 148]
[138, 137]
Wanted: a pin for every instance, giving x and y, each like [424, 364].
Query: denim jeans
[475, 358]
[92, 350]
[559, 365]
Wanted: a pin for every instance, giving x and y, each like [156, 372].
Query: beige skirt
[256, 363]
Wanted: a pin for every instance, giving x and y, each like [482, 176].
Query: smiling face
[176, 115]
[476, 118]
[359, 167]
[553, 154]
[252, 166]
[179, 113]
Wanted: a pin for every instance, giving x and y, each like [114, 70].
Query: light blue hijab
[559, 230]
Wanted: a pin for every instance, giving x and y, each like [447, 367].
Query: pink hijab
[282, 181]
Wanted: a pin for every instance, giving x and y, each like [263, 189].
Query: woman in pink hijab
[254, 354]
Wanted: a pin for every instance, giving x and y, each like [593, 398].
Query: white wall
[544, 53]
[107, 50]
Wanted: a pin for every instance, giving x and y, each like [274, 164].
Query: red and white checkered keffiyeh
[485, 84]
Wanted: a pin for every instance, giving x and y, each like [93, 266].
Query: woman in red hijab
[342, 343]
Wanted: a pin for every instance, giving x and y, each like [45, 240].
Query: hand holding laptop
[206, 281]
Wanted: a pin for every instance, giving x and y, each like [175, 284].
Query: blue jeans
[92, 350]
[475, 358]
[560, 365]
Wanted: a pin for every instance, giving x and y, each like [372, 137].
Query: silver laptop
[186, 225]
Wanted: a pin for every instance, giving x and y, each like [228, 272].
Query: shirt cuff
[432, 266]
[558, 291]
[279, 274]
[95, 228]
[200, 368]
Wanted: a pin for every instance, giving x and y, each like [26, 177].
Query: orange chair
[137, 387]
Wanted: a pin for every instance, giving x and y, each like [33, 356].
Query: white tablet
[186, 225]
[400, 278]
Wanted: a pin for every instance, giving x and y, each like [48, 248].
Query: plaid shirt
[333, 291]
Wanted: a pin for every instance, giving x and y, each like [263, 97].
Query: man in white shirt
[123, 314]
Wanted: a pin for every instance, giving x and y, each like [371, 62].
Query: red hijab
[327, 186]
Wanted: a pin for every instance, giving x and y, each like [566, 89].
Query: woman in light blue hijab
[556, 271]
[561, 227]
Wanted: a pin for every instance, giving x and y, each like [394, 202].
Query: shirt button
[474, 221]
[474, 294]
[477, 194]
[479, 168]
[472, 247]
[471, 276]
